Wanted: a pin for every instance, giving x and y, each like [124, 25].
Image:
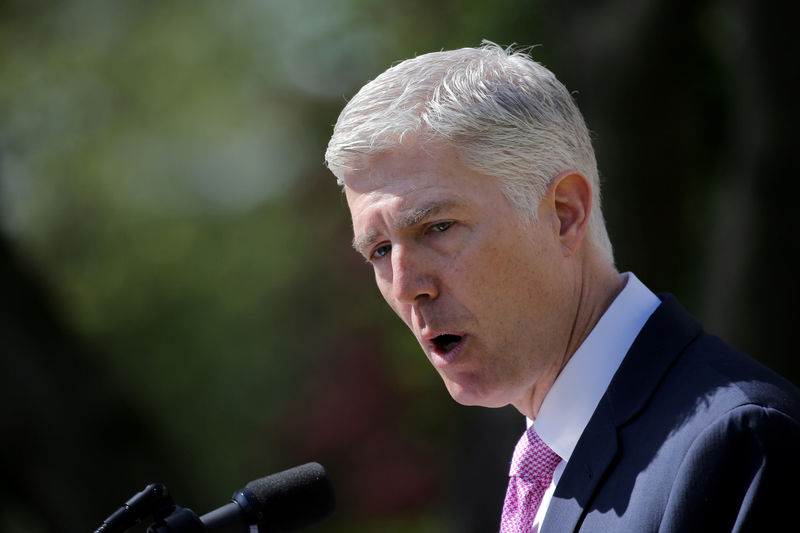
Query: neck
[594, 291]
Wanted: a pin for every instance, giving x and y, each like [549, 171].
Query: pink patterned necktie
[530, 475]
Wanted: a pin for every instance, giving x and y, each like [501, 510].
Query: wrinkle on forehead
[407, 159]
[401, 188]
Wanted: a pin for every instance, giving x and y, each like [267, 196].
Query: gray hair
[505, 114]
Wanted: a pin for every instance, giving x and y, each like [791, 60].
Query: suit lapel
[663, 337]
[583, 472]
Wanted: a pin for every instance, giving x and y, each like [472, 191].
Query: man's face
[481, 289]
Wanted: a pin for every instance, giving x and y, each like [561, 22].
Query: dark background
[178, 299]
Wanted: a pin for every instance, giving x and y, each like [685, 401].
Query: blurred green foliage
[162, 170]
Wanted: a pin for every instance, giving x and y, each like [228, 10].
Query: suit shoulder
[736, 377]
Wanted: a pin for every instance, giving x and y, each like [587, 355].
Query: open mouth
[446, 343]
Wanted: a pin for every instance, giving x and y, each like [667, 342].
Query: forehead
[399, 189]
[406, 168]
[410, 177]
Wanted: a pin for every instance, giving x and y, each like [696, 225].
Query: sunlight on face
[475, 284]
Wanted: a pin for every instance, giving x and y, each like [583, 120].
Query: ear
[572, 198]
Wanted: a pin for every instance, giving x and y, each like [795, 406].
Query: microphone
[286, 501]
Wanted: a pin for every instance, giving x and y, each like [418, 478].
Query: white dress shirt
[579, 387]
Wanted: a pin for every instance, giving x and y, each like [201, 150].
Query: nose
[413, 277]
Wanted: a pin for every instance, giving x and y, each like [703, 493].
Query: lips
[445, 347]
[446, 343]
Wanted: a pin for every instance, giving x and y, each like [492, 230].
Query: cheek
[384, 287]
[384, 284]
[482, 268]
[499, 280]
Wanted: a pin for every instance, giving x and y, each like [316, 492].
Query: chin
[473, 396]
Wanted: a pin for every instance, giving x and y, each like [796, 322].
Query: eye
[441, 226]
[380, 251]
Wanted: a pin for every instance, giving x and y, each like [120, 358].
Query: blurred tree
[65, 420]
[692, 109]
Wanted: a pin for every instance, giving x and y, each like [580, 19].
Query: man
[474, 194]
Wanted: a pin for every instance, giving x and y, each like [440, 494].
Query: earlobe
[572, 197]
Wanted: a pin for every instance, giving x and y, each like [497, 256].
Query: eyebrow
[409, 219]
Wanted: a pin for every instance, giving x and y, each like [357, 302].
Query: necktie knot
[531, 473]
[533, 459]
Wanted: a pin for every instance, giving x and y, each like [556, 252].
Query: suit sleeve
[740, 475]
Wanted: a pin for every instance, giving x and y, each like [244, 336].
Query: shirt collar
[572, 399]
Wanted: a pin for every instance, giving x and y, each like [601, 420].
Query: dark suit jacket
[691, 435]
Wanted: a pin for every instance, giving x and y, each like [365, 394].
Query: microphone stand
[151, 501]
[171, 518]
[176, 519]
[288, 500]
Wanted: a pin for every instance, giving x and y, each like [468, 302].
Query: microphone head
[293, 499]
